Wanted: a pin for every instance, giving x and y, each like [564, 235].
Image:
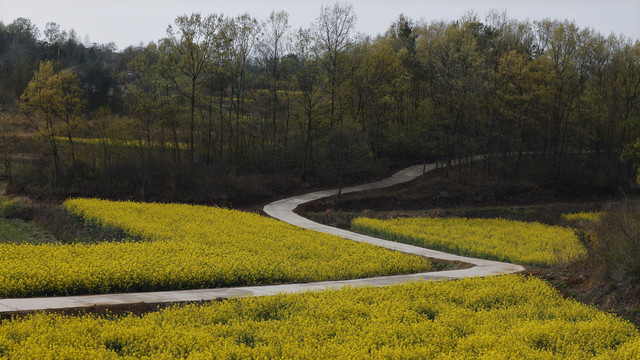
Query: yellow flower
[174, 246]
[499, 239]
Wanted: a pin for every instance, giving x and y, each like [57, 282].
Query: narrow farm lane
[283, 210]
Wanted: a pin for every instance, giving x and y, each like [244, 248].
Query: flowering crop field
[124, 143]
[499, 239]
[178, 246]
[586, 216]
[506, 317]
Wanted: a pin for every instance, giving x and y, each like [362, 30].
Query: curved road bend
[283, 210]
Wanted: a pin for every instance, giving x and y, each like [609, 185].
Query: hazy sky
[130, 22]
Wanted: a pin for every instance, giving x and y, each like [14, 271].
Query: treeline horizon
[221, 96]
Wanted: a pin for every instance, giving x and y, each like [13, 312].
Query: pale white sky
[130, 22]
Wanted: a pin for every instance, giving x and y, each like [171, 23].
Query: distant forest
[237, 102]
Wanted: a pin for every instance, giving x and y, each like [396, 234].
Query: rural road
[282, 210]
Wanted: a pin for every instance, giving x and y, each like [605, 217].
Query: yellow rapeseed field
[588, 216]
[506, 317]
[499, 239]
[123, 143]
[178, 246]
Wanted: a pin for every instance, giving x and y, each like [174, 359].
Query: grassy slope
[15, 231]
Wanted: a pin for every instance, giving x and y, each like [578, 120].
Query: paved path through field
[283, 210]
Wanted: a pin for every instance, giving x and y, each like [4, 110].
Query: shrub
[618, 245]
[7, 206]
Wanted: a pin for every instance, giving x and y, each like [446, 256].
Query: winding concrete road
[283, 210]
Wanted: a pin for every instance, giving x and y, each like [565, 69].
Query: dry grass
[617, 243]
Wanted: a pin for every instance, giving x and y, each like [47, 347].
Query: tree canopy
[232, 95]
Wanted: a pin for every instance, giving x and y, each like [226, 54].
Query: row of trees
[234, 93]
[23, 46]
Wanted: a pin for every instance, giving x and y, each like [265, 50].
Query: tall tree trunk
[230, 120]
[54, 151]
[209, 137]
[275, 108]
[286, 135]
[73, 152]
[221, 145]
[307, 147]
[192, 125]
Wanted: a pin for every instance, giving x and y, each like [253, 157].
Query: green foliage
[617, 242]
[55, 95]
[15, 231]
[444, 90]
[7, 206]
[347, 150]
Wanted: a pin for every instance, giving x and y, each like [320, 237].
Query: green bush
[7, 206]
[617, 244]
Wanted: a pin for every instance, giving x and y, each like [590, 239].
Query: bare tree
[308, 82]
[243, 32]
[347, 152]
[54, 35]
[273, 47]
[333, 31]
[8, 145]
[189, 50]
